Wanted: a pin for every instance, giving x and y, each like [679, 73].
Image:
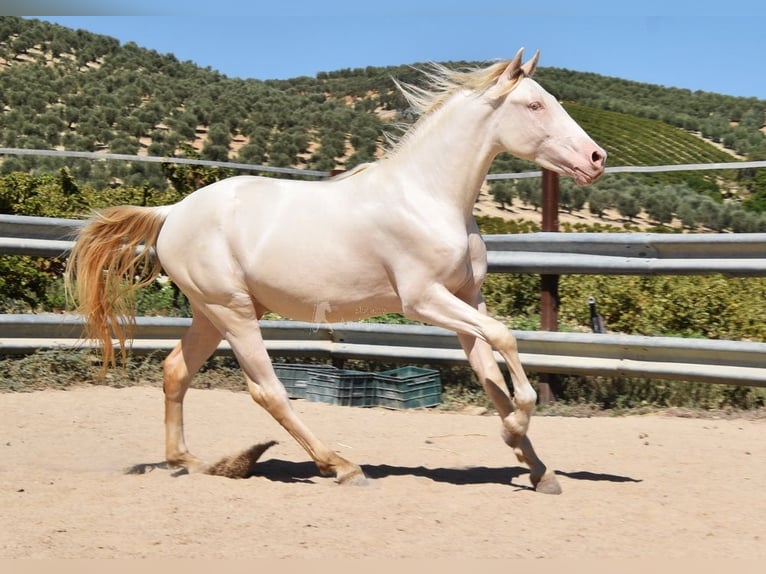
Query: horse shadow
[291, 471]
[288, 471]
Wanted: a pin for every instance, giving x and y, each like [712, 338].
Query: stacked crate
[408, 387]
[342, 387]
[403, 388]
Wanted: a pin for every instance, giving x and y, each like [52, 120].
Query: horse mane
[441, 83]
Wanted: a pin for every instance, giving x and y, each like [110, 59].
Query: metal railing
[731, 362]
[101, 156]
[560, 253]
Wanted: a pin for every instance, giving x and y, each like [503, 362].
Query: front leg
[438, 306]
[482, 360]
[478, 334]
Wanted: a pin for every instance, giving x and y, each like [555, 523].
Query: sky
[703, 45]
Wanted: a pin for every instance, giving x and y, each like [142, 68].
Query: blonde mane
[442, 82]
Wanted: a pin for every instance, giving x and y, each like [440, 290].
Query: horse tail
[111, 259]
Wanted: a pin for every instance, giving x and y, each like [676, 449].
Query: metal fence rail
[730, 362]
[101, 156]
[559, 253]
[553, 253]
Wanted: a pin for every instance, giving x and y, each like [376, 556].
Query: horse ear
[512, 72]
[531, 65]
[509, 76]
[514, 67]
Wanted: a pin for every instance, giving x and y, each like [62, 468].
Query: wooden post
[549, 284]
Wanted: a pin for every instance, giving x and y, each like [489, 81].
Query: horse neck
[449, 152]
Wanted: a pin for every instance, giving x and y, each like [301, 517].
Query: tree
[124, 144]
[579, 198]
[709, 214]
[628, 206]
[252, 153]
[218, 135]
[185, 123]
[599, 200]
[215, 152]
[530, 192]
[743, 221]
[687, 214]
[186, 178]
[659, 206]
[756, 185]
[502, 193]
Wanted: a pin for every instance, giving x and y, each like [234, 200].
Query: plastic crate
[297, 377]
[408, 388]
[342, 387]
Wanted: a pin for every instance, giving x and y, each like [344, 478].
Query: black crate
[408, 388]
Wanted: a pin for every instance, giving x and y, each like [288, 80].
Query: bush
[714, 307]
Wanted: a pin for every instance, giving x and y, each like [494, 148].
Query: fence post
[549, 284]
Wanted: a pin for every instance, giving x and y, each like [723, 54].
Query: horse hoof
[548, 484]
[186, 462]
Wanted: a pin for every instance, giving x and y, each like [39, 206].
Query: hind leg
[198, 344]
[239, 324]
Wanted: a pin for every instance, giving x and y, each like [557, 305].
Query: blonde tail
[105, 269]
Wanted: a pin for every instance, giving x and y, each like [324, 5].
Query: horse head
[532, 124]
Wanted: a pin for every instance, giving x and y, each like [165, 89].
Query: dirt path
[444, 484]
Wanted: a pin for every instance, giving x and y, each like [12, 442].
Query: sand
[443, 484]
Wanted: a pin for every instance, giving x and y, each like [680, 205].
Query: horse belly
[310, 289]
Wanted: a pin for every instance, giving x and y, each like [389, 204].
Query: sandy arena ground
[444, 484]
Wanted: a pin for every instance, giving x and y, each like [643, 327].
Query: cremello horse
[397, 235]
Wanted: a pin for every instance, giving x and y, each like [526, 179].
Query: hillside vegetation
[76, 90]
[70, 89]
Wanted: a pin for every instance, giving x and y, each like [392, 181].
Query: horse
[396, 235]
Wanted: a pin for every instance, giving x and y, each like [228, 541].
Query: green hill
[632, 140]
[67, 89]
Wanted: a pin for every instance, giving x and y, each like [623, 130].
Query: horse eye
[534, 106]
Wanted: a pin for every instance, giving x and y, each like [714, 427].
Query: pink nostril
[598, 158]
